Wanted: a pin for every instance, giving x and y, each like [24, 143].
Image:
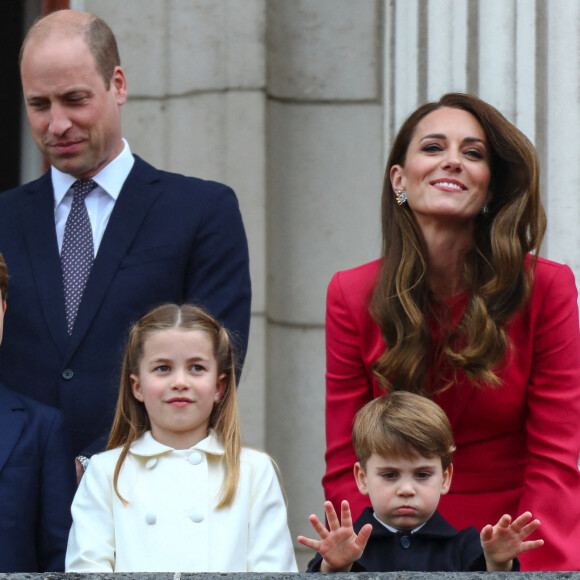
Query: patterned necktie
[77, 252]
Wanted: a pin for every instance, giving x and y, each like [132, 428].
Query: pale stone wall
[325, 161]
[196, 76]
[294, 103]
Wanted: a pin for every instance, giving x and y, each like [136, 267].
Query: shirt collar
[146, 446]
[111, 178]
[395, 530]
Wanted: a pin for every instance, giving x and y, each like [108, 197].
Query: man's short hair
[96, 33]
[3, 278]
[403, 424]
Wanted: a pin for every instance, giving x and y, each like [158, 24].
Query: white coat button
[195, 458]
[196, 517]
[151, 463]
[151, 519]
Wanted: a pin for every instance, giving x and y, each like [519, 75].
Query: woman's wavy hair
[131, 419]
[495, 271]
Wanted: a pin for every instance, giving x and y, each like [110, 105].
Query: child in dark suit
[404, 445]
[37, 480]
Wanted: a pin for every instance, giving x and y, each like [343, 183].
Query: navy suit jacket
[170, 238]
[436, 547]
[37, 484]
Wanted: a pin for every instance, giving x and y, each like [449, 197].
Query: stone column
[560, 54]
[325, 164]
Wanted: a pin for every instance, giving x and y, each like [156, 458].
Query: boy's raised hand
[505, 541]
[340, 546]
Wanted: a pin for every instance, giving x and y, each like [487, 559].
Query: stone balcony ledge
[301, 576]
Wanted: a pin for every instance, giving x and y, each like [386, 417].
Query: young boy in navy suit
[404, 445]
[37, 480]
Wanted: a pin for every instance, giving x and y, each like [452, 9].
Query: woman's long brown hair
[131, 419]
[495, 272]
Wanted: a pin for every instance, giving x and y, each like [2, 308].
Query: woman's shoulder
[358, 274]
[553, 289]
[547, 271]
[355, 284]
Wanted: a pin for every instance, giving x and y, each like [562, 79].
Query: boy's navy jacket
[37, 484]
[436, 547]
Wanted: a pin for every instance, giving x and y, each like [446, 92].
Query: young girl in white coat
[175, 491]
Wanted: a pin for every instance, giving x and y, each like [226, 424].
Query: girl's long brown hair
[131, 419]
[495, 271]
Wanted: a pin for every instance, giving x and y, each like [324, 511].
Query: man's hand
[505, 541]
[80, 470]
[340, 547]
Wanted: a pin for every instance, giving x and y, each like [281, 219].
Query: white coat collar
[146, 446]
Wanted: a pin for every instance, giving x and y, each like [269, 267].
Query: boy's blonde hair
[403, 424]
[131, 419]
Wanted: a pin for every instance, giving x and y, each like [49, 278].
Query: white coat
[170, 523]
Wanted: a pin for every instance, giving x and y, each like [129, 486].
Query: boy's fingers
[345, 517]
[532, 545]
[318, 526]
[331, 516]
[530, 528]
[486, 533]
[363, 535]
[521, 520]
[308, 542]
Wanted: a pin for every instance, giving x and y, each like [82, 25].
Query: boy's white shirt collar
[147, 446]
[111, 178]
[394, 530]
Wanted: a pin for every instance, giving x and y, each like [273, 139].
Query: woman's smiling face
[447, 167]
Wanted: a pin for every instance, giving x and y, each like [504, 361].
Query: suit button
[405, 542]
[67, 374]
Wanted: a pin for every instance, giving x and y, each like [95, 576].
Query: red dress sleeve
[349, 383]
[551, 478]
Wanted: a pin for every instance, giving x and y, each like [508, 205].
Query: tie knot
[82, 188]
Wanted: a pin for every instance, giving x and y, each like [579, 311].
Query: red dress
[517, 444]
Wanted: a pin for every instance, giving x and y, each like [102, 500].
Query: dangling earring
[483, 209]
[401, 197]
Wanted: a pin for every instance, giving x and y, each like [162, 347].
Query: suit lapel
[138, 193]
[37, 216]
[12, 417]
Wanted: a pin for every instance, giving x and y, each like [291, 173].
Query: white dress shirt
[395, 530]
[99, 202]
[170, 522]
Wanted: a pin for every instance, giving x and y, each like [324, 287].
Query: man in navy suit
[157, 237]
[36, 479]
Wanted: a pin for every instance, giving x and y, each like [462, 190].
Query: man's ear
[119, 85]
[361, 478]
[136, 387]
[447, 476]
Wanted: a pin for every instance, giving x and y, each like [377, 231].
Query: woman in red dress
[459, 310]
